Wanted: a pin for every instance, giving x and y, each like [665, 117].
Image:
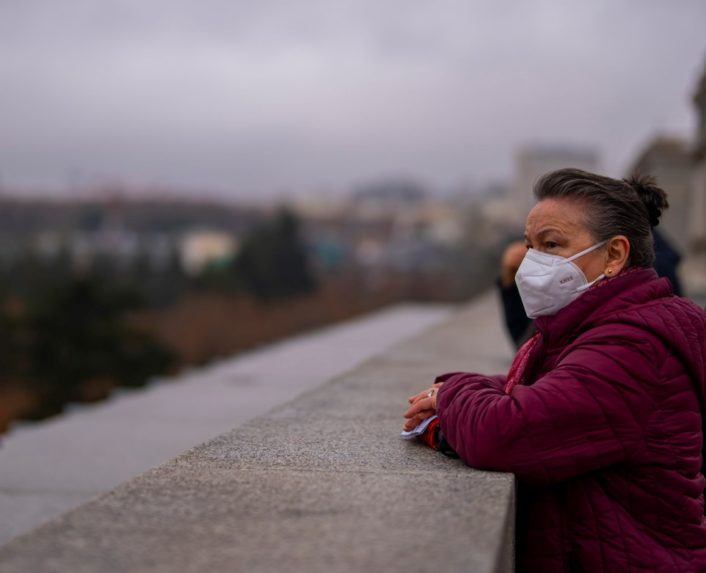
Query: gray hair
[629, 207]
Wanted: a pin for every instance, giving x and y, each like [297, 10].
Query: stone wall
[322, 483]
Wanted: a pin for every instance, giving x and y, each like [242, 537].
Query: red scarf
[519, 364]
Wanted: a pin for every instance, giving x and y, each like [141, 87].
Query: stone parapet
[322, 483]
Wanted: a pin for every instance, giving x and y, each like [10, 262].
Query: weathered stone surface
[322, 483]
[92, 448]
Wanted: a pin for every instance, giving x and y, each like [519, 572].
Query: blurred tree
[220, 277]
[79, 335]
[273, 261]
[12, 351]
[91, 218]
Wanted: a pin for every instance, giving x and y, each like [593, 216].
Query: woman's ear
[617, 255]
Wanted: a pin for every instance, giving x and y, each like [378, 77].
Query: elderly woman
[599, 417]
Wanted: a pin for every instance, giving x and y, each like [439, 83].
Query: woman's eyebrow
[543, 232]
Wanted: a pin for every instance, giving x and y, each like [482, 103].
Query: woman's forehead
[561, 215]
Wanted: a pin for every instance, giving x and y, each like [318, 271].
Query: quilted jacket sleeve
[588, 412]
[497, 380]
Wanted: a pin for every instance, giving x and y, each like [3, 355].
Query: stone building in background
[669, 161]
[695, 268]
[531, 162]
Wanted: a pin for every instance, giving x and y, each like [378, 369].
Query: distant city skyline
[261, 100]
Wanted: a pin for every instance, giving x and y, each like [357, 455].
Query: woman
[599, 416]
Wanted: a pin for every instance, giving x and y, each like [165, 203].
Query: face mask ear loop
[589, 285]
[586, 251]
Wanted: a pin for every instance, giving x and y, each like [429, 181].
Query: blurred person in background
[600, 415]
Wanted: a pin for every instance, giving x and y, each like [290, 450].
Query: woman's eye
[550, 245]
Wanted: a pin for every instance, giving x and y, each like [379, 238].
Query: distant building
[695, 274]
[321, 207]
[391, 192]
[200, 249]
[386, 197]
[444, 223]
[669, 161]
[532, 162]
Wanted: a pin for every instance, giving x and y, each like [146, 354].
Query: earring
[609, 271]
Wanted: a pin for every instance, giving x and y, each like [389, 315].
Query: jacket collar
[632, 286]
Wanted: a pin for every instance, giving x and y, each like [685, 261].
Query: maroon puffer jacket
[604, 434]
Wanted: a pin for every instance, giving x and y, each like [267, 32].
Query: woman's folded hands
[422, 406]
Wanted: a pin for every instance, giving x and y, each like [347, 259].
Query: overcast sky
[263, 97]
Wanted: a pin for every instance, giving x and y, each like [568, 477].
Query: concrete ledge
[322, 483]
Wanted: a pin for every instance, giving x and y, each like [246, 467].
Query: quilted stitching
[611, 417]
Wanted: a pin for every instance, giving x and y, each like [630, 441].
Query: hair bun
[654, 198]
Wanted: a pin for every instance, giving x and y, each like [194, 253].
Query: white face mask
[547, 283]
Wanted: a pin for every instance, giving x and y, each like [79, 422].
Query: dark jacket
[604, 435]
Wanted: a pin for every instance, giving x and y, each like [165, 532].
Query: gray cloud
[260, 97]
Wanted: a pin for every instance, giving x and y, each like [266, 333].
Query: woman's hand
[423, 406]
